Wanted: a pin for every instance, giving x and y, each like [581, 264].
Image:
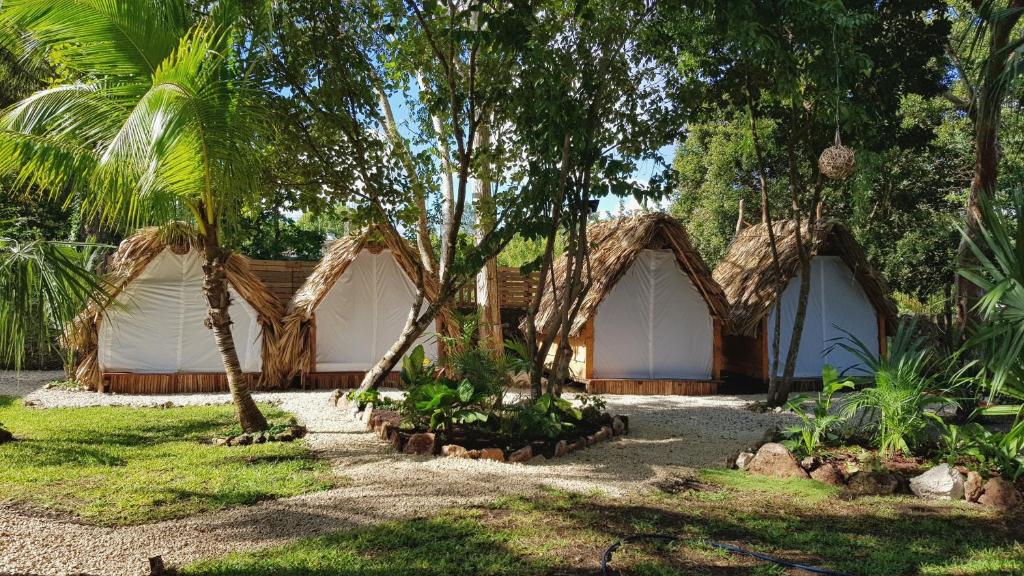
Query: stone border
[289, 434]
[386, 423]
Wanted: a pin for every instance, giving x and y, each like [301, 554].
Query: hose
[605, 571]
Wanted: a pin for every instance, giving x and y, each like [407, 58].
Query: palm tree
[159, 123]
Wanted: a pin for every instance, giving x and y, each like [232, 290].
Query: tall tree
[799, 74]
[160, 121]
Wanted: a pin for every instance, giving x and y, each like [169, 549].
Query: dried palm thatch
[749, 277]
[129, 261]
[296, 342]
[614, 246]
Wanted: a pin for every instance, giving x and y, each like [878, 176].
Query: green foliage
[1002, 452]
[438, 403]
[44, 286]
[819, 424]
[466, 360]
[906, 387]
[372, 396]
[543, 417]
[117, 465]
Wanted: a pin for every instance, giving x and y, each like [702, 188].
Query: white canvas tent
[651, 319]
[157, 325]
[837, 307]
[654, 324]
[364, 313]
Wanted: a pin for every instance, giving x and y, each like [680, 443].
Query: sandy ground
[668, 435]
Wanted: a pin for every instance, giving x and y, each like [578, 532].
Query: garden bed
[480, 444]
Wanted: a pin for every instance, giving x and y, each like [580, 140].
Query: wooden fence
[285, 277]
[282, 277]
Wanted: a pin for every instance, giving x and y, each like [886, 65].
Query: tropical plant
[161, 123]
[546, 416]
[818, 423]
[466, 359]
[1002, 451]
[438, 403]
[899, 406]
[43, 286]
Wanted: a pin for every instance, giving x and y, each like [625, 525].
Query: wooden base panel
[653, 387]
[175, 383]
[332, 380]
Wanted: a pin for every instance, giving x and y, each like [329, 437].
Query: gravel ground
[668, 435]
[22, 383]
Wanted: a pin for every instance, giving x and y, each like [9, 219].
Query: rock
[420, 443]
[336, 396]
[522, 455]
[809, 463]
[973, 487]
[492, 454]
[776, 461]
[1000, 494]
[241, 440]
[454, 451]
[940, 483]
[625, 422]
[299, 431]
[600, 436]
[618, 426]
[608, 432]
[828, 473]
[873, 484]
[592, 439]
[260, 438]
[743, 460]
[220, 441]
[395, 439]
[284, 436]
[384, 430]
[578, 445]
[561, 449]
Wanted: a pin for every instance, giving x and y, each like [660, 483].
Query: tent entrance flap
[364, 313]
[837, 308]
[159, 323]
[654, 324]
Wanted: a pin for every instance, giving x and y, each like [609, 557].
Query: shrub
[544, 417]
[817, 424]
[437, 403]
[905, 386]
[1003, 452]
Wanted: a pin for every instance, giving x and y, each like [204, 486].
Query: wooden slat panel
[180, 383]
[653, 387]
[332, 380]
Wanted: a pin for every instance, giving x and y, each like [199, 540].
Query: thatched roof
[129, 261]
[614, 246]
[749, 277]
[295, 343]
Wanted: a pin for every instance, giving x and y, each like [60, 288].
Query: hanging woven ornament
[837, 161]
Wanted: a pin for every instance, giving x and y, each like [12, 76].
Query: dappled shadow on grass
[868, 538]
[422, 547]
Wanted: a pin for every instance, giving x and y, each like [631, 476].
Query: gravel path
[668, 435]
[19, 384]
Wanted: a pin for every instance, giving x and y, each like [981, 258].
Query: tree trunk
[988, 105]
[215, 287]
[487, 303]
[414, 326]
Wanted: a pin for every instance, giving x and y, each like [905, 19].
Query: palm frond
[102, 38]
[43, 286]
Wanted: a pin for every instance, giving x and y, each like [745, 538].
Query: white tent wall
[654, 324]
[364, 313]
[159, 326]
[836, 303]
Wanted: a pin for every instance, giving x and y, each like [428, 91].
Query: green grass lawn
[561, 533]
[117, 465]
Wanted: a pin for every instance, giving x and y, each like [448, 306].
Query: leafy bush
[545, 417]
[437, 403]
[466, 360]
[372, 396]
[817, 424]
[905, 387]
[1002, 451]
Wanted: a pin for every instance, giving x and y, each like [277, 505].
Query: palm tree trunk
[215, 287]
